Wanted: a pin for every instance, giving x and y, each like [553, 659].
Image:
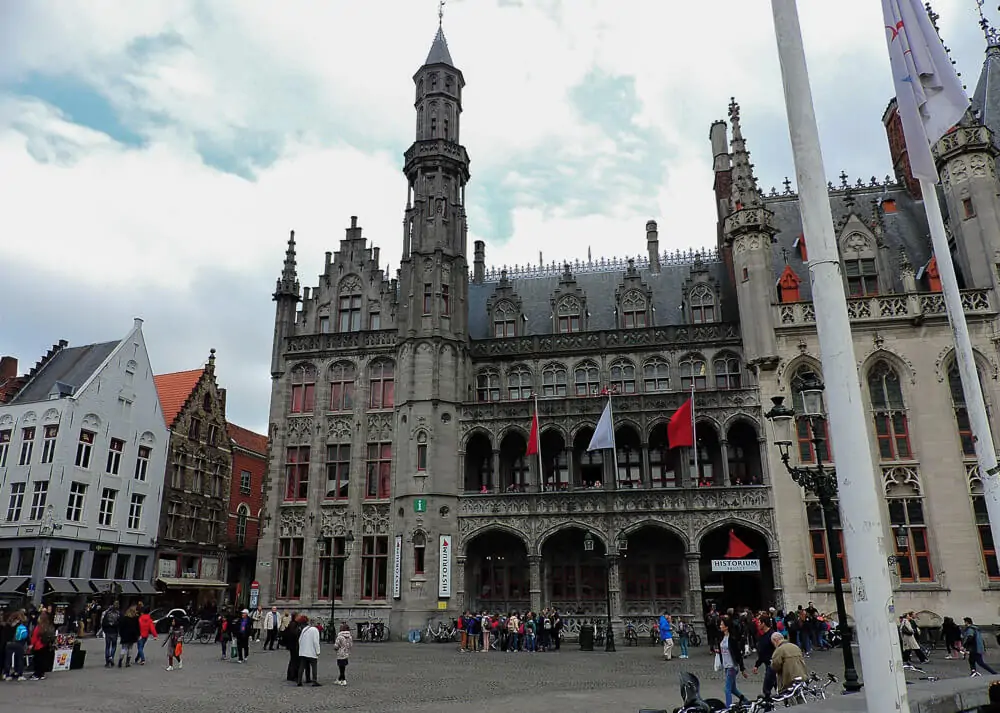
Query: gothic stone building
[399, 483]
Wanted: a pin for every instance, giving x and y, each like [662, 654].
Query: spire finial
[288, 283]
[991, 33]
[745, 193]
[440, 14]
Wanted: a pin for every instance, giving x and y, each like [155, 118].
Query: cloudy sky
[155, 154]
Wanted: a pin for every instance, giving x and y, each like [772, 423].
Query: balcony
[888, 308]
[306, 344]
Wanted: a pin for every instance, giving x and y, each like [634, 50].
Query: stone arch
[731, 520]
[497, 573]
[546, 535]
[91, 421]
[472, 535]
[579, 426]
[147, 438]
[789, 369]
[482, 430]
[742, 418]
[661, 524]
[511, 428]
[905, 367]
[986, 366]
[50, 416]
[653, 423]
[700, 419]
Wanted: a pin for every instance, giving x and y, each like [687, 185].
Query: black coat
[765, 650]
[128, 630]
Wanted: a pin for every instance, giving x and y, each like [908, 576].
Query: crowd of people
[24, 634]
[510, 632]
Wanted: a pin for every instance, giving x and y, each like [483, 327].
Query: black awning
[82, 586]
[145, 588]
[58, 585]
[14, 585]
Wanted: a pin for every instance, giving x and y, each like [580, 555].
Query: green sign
[419, 505]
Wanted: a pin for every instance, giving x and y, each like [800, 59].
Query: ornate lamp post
[323, 542]
[609, 636]
[821, 482]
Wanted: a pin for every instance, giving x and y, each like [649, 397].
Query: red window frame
[807, 451]
[332, 555]
[374, 567]
[421, 456]
[342, 384]
[381, 385]
[338, 471]
[297, 473]
[892, 431]
[303, 390]
[378, 471]
[428, 298]
[290, 557]
[569, 324]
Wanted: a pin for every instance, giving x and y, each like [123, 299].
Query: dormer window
[504, 320]
[862, 277]
[633, 310]
[702, 300]
[568, 316]
[349, 313]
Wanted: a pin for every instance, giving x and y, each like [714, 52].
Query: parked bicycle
[374, 631]
[204, 631]
[441, 633]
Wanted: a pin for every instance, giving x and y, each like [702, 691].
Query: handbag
[718, 662]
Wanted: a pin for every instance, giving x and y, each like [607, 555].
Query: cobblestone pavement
[421, 678]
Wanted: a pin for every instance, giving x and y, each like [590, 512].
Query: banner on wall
[444, 566]
[397, 568]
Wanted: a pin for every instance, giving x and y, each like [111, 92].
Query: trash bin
[587, 637]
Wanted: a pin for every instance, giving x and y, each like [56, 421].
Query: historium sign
[734, 565]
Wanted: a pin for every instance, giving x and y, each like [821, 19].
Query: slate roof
[986, 99]
[439, 53]
[72, 366]
[174, 390]
[247, 439]
[599, 287]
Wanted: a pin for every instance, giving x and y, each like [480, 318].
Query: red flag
[680, 431]
[737, 548]
[533, 436]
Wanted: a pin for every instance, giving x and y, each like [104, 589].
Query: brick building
[246, 500]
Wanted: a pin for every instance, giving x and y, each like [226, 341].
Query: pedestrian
[787, 661]
[242, 633]
[460, 625]
[683, 636]
[290, 640]
[147, 628]
[908, 639]
[272, 622]
[258, 621]
[109, 627]
[128, 632]
[174, 642]
[952, 638]
[13, 652]
[765, 651]
[43, 640]
[973, 640]
[666, 635]
[731, 657]
[343, 646]
[308, 653]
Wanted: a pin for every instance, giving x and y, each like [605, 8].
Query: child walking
[343, 648]
[174, 642]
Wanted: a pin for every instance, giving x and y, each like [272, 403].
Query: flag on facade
[533, 445]
[929, 95]
[604, 434]
[737, 547]
[680, 430]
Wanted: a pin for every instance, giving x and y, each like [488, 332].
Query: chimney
[8, 367]
[375, 256]
[354, 232]
[479, 262]
[653, 245]
[720, 146]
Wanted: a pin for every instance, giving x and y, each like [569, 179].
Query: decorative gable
[788, 285]
[504, 309]
[569, 305]
[864, 268]
[633, 300]
[701, 295]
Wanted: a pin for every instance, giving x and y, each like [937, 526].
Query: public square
[393, 677]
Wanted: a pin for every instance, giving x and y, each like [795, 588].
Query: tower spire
[288, 283]
[439, 53]
[745, 193]
[991, 33]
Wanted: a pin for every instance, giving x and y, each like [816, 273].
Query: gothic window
[655, 375]
[504, 320]
[702, 300]
[961, 411]
[727, 372]
[986, 545]
[447, 123]
[820, 545]
[448, 81]
[803, 429]
[693, 373]
[488, 385]
[568, 313]
[434, 119]
[554, 380]
[587, 379]
[891, 426]
[303, 388]
[419, 548]
[907, 519]
[342, 377]
[862, 277]
[420, 122]
[434, 81]
[381, 384]
[623, 376]
[519, 384]
[349, 305]
[633, 310]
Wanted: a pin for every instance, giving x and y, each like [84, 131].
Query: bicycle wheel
[205, 636]
[189, 635]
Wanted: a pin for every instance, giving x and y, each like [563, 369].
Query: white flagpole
[538, 435]
[614, 444]
[974, 402]
[694, 439]
[864, 530]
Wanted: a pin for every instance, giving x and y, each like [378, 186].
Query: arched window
[891, 425]
[504, 320]
[488, 385]
[303, 388]
[702, 300]
[349, 305]
[422, 451]
[554, 380]
[343, 374]
[655, 375]
[727, 372]
[568, 315]
[587, 379]
[419, 552]
[519, 384]
[381, 384]
[242, 515]
[803, 430]
[633, 310]
[905, 501]
[961, 411]
[623, 376]
[693, 373]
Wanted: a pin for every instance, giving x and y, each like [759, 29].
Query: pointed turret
[287, 296]
[745, 193]
[288, 283]
[439, 53]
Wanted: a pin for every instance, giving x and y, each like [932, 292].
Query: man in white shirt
[308, 653]
[272, 624]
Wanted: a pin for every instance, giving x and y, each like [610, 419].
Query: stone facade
[400, 484]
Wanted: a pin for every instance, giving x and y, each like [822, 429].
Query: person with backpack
[13, 657]
[973, 641]
[109, 626]
[43, 641]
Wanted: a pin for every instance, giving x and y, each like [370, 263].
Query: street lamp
[609, 636]
[334, 557]
[821, 482]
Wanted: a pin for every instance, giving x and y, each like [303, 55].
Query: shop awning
[82, 586]
[192, 583]
[105, 586]
[58, 585]
[145, 588]
[11, 585]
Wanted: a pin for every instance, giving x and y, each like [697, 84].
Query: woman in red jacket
[147, 628]
[43, 639]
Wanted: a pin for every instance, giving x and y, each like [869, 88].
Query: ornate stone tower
[287, 296]
[749, 230]
[433, 341]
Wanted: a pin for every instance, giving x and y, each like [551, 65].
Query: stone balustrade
[887, 308]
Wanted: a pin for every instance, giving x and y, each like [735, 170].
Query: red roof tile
[174, 390]
[247, 439]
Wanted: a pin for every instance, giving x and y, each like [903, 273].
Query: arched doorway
[479, 464]
[709, 456]
[574, 578]
[629, 453]
[496, 573]
[744, 455]
[588, 466]
[514, 468]
[736, 582]
[653, 571]
[555, 460]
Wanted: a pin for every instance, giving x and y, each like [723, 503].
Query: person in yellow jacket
[787, 662]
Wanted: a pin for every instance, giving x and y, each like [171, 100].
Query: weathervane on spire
[992, 34]
[441, 13]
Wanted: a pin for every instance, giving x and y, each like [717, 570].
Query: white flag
[929, 94]
[604, 434]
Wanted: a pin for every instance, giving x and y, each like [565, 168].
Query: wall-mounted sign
[444, 566]
[254, 595]
[734, 565]
[419, 505]
[397, 567]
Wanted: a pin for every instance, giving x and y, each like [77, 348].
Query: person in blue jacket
[666, 635]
